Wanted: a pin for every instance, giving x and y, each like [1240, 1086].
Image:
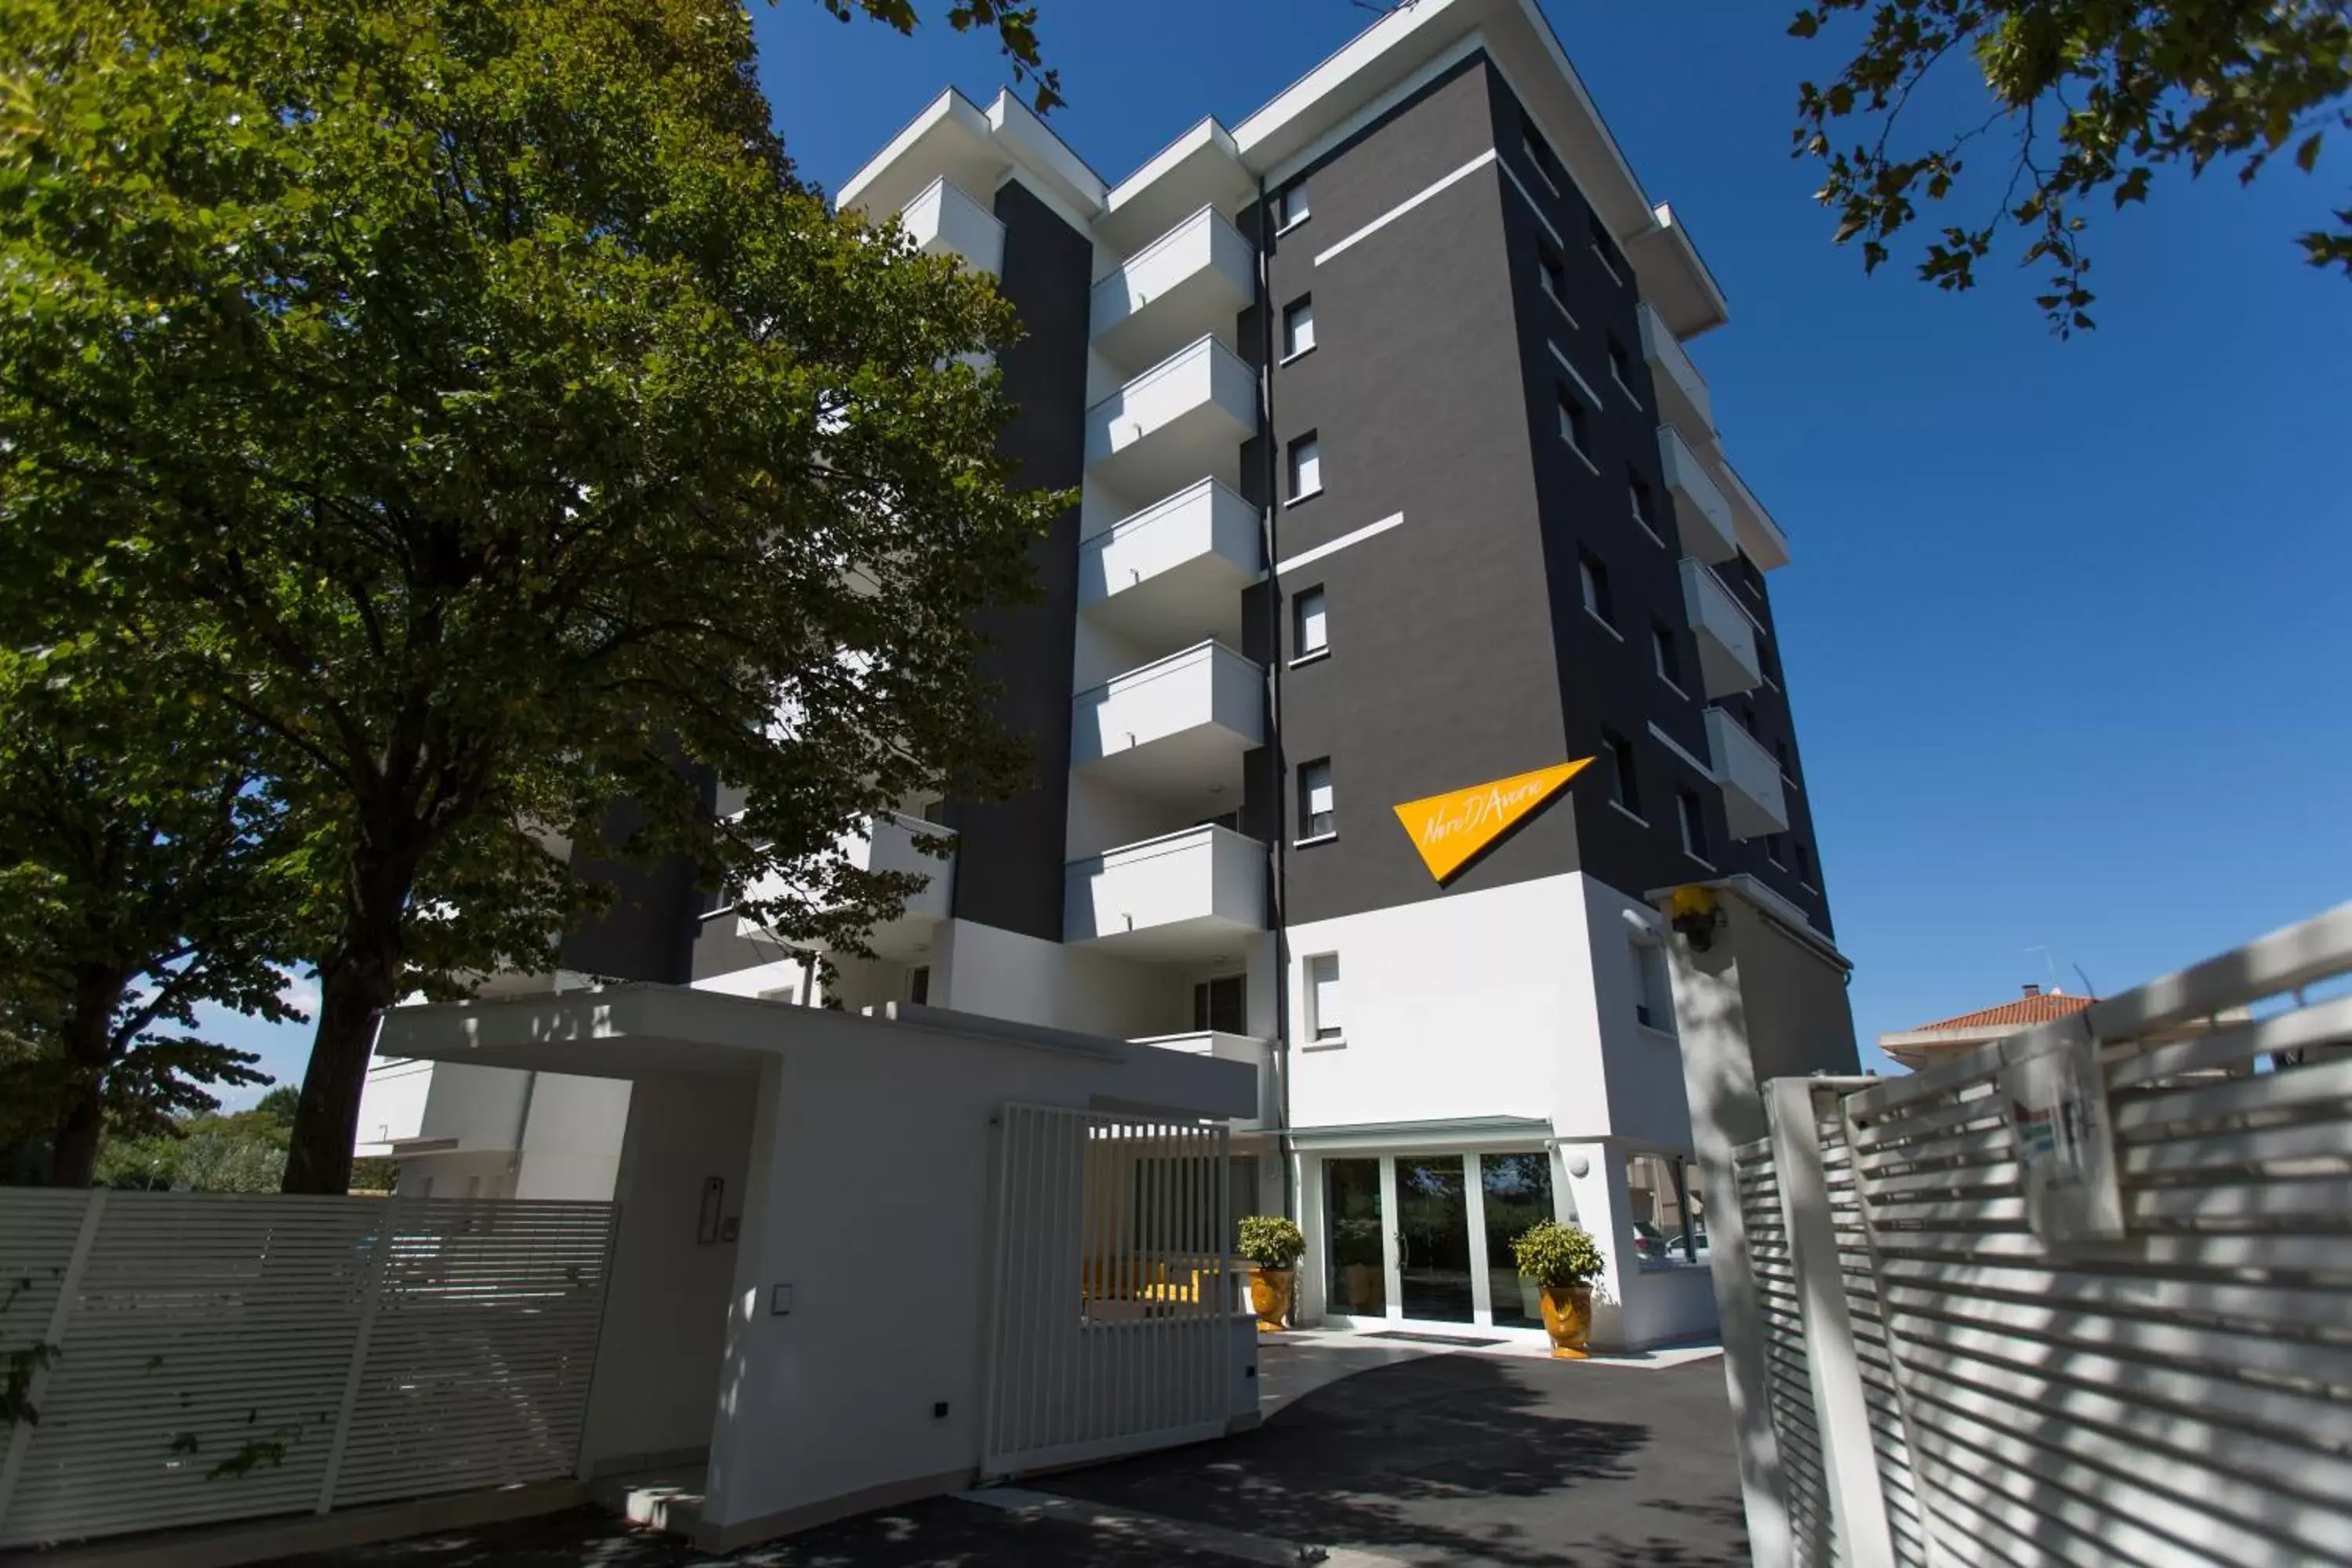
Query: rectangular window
[1516, 1193]
[1220, 1004]
[1539, 152]
[1656, 1009]
[1309, 630]
[1605, 249]
[1592, 577]
[1624, 788]
[918, 984]
[1776, 848]
[1693, 821]
[1804, 865]
[1315, 818]
[1299, 327]
[1355, 1259]
[1788, 764]
[1620, 365]
[1670, 662]
[1295, 208]
[1574, 426]
[1645, 506]
[1324, 1020]
[1554, 273]
[1306, 466]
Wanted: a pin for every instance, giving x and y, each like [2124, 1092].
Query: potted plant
[1563, 1260]
[1272, 1245]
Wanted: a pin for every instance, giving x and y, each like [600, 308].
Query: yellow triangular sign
[1448, 829]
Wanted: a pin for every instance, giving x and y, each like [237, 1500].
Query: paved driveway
[1378, 1453]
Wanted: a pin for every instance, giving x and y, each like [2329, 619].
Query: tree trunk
[359, 979]
[87, 1035]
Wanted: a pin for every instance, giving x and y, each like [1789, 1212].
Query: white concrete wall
[1003, 975]
[571, 1143]
[873, 1204]
[665, 1334]
[392, 1104]
[1642, 1068]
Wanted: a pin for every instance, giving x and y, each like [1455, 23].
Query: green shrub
[1555, 1255]
[1271, 1241]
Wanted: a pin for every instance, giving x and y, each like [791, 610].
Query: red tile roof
[2024, 1013]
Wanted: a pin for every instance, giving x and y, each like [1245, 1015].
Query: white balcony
[887, 844]
[1226, 1048]
[1173, 573]
[1761, 538]
[1189, 282]
[1753, 803]
[1184, 897]
[1174, 729]
[944, 221]
[1682, 390]
[1184, 418]
[1727, 638]
[1702, 517]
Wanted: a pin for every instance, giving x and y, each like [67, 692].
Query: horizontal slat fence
[225, 1356]
[2179, 1394]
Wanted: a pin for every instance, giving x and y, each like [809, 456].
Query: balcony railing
[887, 844]
[1175, 727]
[1753, 802]
[944, 220]
[1229, 1047]
[1191, 281]
[1184, 897]
[1173, 573]
[1687, 402]
[1702, 516]
[1183, 419]
[1727, 638]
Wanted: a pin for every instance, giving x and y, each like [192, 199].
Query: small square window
[1575, 426]
[1296, 208]
[1306, 466]
[1605, 248]
[1325, 1016]
[1620, 365]
[1299, 327]
[1645, 505]
[1669, 658]
[1623, 787]
[1316, 817]
[1310, 633]
[1592, 577]
[1693, 824]
[1776, 848]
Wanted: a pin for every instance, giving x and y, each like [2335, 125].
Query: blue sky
[2063, 625]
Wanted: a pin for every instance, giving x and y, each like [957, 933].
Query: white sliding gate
[199, 1357]
[1980, 1349]
[1112, 1302]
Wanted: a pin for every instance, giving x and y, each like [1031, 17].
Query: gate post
[1849, 1453]
[371, 1297]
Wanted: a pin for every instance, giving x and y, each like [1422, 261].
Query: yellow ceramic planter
[1567, 1318]
[1270, 1297]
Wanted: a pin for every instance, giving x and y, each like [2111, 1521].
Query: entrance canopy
[642, 1031]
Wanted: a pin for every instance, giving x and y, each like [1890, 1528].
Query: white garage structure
[860, 1259]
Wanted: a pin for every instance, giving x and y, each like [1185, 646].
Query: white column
[1474, 1207]
[1391, 1249]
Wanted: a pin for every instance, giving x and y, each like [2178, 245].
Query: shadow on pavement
[1465, 1459]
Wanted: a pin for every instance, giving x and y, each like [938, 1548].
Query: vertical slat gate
[1787, 1377]
[211, 1361]
[1109, 1330]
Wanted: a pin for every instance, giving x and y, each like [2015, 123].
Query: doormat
[1464, 1340]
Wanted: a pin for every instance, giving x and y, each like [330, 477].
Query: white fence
[200, 1357]
[1114, 1290]
[2083, 1295]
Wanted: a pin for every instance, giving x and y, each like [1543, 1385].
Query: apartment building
[1412, 630]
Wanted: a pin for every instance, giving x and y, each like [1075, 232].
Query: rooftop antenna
[2048, 963]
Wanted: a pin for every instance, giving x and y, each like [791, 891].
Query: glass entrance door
[1434, 1239]
[1355, 1277]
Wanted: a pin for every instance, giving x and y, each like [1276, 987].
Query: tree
[2086, 100]
[513, 434]
[137, 880]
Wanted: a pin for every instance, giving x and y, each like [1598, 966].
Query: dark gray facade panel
[1009, 853]
[648, 932]
[1441, 673]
